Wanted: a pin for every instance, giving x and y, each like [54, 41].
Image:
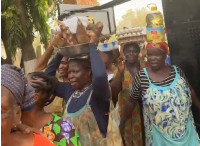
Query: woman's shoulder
[21, 139]
[63, 123]
[179, 71]
[141, 73]
[59, 119]
[67, 131]
[176, 67]
[39, 140]
[61, 129]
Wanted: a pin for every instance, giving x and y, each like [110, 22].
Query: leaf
[136, 18]
[36, 12]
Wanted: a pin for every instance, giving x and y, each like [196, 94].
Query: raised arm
[63, 90]
[54, 65]
[116, 84]
[99, 76]
[43, 60]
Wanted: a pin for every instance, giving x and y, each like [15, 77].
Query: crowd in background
[73, 101]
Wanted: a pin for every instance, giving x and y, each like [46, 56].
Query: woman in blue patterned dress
[167, 99]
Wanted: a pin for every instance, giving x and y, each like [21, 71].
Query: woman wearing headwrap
[167, 100]
[121, 86]
[60, 131]
[88, 99]
[16, 96]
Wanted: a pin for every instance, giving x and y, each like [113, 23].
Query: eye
[76, 71]
[4, 115]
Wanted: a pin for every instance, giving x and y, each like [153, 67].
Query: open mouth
[131, 58]
[153, 63]
[61, 71]
[73, 83]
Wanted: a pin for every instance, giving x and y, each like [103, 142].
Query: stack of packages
[108, 43]
[136, 34]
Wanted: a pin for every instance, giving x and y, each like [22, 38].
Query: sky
[132, 4]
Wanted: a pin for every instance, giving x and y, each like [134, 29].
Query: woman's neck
[36, 118]
[86, 87]
[133, 65]
[161, 69]
[65, 79]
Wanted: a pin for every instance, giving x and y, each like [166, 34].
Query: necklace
[77, 94]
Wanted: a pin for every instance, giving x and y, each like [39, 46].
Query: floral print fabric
[133, 127]
[61, 132]
[86, 124]
[169, 108]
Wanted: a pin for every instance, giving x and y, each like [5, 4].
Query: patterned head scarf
[13, 78]
[163, 46]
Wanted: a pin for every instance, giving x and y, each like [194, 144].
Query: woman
[60, 131]
[58, 105]
[121, 85]
[88, 99]
[16, 96]
[166, 98]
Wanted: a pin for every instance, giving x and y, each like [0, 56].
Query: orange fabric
[162, 46]
[42, 141]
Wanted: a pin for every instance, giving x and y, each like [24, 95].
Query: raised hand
[35, 82]
[121, 64]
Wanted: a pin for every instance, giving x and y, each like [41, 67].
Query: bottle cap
[154, 8]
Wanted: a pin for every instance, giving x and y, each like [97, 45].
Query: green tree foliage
[21, 19]
[133, 18]
[34, 16]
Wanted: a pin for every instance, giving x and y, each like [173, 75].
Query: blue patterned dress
[166, 107]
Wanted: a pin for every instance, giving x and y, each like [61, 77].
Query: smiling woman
[88, 99]
[63, 68]
[121, 86]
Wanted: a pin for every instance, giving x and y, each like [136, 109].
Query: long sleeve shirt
[100, 98]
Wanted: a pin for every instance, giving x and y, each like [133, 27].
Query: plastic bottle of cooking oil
[155, 25]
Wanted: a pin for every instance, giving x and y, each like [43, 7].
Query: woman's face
[63, 67]
[78, 76]
[9, 113]
[131, 55]
[156, 58]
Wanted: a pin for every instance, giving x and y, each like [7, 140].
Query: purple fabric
[13, 78]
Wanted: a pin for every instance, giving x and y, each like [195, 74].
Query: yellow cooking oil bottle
[155, 25]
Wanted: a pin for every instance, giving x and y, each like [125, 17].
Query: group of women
[159, 92]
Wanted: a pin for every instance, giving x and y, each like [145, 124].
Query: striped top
[141, 82]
